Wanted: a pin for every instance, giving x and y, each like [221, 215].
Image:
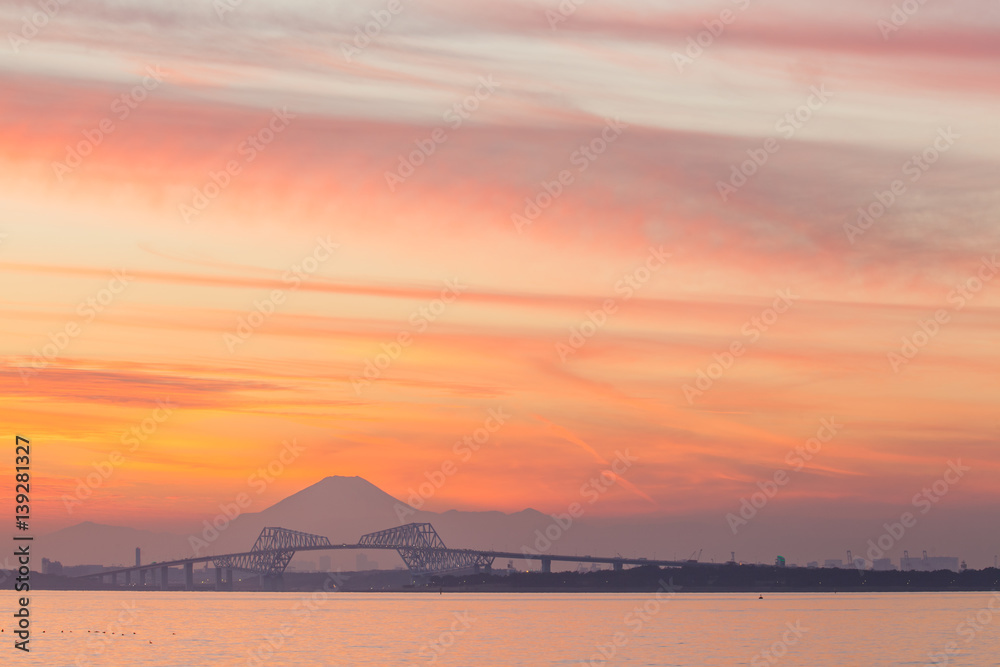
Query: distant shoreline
[731, 579]
[694, 578]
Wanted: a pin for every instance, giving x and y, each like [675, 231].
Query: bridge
[418, 544]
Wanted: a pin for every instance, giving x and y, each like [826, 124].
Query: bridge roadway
[550, 558]
[417, 544]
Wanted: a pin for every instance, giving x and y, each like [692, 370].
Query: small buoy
[761, 597]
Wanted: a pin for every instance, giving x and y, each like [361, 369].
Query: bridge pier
[618, 566]
[128, 577]
[546, 565]
[189, 576]
[218, 578]
[142, 578]
[164, 583]
[229, 578]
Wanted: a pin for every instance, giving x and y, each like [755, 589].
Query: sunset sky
[170, 171]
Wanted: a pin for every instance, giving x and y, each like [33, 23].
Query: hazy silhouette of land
[344, 508]
[688, 579]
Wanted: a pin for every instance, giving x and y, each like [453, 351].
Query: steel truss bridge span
[418, 544]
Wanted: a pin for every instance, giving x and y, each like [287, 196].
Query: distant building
[51, 566]
[812, 564]
[779, 561]
[929, 563]
[324, 564]
[883, 564]
[81, 570]
[363, 563]
[833, 562]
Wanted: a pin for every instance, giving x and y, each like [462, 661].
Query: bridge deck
[607, 560]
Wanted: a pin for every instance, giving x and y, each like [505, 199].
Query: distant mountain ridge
[340, 508]
[95, 543]
[345, 508]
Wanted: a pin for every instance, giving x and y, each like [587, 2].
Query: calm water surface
[696, 630]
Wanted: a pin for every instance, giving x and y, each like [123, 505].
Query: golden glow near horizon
[226, 230]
